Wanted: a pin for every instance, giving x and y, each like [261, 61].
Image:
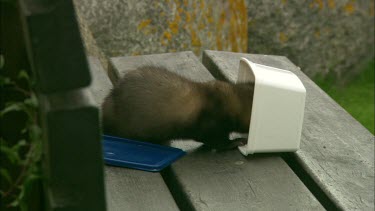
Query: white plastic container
[278, 108]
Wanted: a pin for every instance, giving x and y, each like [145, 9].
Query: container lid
[138, 155]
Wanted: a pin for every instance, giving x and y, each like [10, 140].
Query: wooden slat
[54, 45]
[336, 150]
[209, 180]
[72, 152]
[128, 189]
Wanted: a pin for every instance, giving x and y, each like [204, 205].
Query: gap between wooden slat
[175, 187]
[306, 178]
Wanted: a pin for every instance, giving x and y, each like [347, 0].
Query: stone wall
[136, 27]
[319, 36]
[89, 42]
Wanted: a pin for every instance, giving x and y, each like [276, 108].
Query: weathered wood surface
[128, 189]
[54, 45]
[208, 180]
[72, 168]
[336, 150]
[70, 126]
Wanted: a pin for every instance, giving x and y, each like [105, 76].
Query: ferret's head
[234, 101]
[244, 93]
[227, 109]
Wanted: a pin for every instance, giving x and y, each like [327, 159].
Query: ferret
[155, 105]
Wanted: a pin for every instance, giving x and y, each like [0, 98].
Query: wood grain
[128, 189]
[209, 180]
[336, 150]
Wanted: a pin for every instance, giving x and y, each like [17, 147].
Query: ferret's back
[152, 100]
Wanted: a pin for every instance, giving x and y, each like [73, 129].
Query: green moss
[357, 96]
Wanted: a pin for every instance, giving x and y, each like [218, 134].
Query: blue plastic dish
[138, 155]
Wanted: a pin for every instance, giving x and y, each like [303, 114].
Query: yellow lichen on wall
[209, 16]
[187, 17]
[243, 20]
[317, 33]
[349, 7]
[173, 26]
[195, 40]
[228, 25]
[231, 28]
[199, 24]
[331, 4]
[282, 37]
[317, 4]
[143, 23]
[166, 37]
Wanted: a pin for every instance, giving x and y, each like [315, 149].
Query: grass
[357, 96]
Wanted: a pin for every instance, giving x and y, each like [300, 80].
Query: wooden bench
[227, 180]
[128, 189]
[221, 181]
[336, 160]
[72, 161]
[334, 169]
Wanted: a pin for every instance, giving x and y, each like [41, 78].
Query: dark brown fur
[155, 105]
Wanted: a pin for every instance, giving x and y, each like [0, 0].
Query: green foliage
[23, 156]
[357, 96]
